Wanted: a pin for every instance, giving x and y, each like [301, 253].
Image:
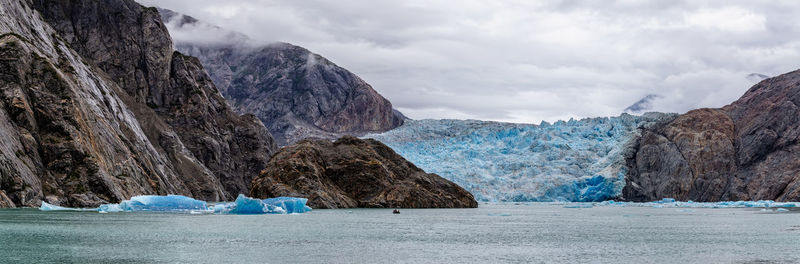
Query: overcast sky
[527, 61]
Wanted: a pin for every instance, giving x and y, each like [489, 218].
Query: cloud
[527, 61]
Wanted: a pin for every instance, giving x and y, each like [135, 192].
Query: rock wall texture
[748, 150]
[96, 107]
[131, 44]
[355, 173]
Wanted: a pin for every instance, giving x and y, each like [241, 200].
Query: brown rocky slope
[748, 150]
[351, 172]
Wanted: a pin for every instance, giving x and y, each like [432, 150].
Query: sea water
[492, 233]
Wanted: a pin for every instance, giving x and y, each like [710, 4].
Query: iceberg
[49, 207]
[247, 205]
[169, 203]
[291, 205]
[179, 203]
[572, 161]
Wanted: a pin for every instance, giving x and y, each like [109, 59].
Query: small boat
[396, 211]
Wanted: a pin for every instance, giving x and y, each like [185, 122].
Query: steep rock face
[70, 135]
[132, 45]
[747, 150]
[295, 92]
[355, 173]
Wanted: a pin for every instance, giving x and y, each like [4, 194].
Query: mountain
[577, 160]
[296, 93]
[643, 105]
[97, 107]
[756, 77]
[355, 173]
[748, 150]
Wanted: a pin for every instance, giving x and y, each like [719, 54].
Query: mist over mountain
[296, 93]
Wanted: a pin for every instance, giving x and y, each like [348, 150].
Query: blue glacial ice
[169, 203]
[578, 161]
[291, 205]
[247, 205]
[179, 203]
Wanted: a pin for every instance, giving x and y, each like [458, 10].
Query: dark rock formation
[748, 150]
[296, 93]
[97, 108]
[355, 173]
[131, 44]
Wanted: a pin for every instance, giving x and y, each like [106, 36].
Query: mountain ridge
[294, 91]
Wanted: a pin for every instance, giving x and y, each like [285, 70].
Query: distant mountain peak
[757, 77]
[296, 93]
[643, 105]
[187, 29]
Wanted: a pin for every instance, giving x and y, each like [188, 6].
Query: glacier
[575, 160]
[180, 203]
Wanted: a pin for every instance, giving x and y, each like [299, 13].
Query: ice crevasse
[575, 160]
[179, 203]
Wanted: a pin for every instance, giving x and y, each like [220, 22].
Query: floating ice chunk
[247, 205]
[49, 207]
[179, 203]
[291, 205]
[169, 203]
[109, 208]
[781, 210]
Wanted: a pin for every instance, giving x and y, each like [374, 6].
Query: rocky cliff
[296, 93]
[748, 150]
[97, 107]
[132, 45]
[355, 173]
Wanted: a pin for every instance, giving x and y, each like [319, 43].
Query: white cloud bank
[527, 61]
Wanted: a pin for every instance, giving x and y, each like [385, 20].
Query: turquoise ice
[179, 203]
[247, 205]
[575, 160]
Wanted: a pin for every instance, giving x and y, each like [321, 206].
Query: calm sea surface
[493, 233]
